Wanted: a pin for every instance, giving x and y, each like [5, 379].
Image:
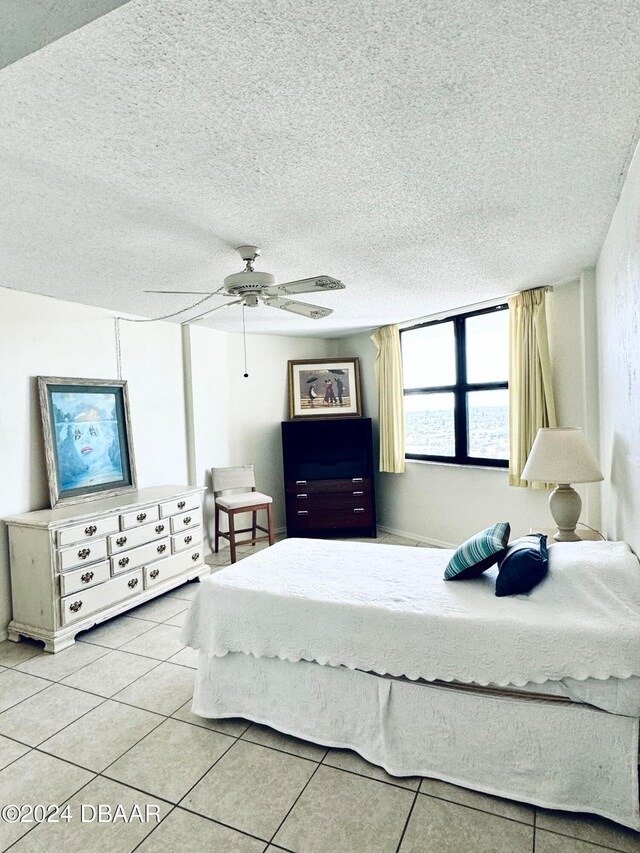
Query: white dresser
[76, 566]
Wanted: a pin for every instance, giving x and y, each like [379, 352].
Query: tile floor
[108, 721]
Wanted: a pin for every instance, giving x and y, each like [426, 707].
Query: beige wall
[618, 293]
[445, 504]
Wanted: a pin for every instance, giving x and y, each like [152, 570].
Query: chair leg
[232, 537]
[270, 524]
[216, 524]
[253, 526]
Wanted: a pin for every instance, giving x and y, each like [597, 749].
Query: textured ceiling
[430, 154]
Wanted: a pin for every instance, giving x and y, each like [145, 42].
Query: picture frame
[324, 388]
[87, 438]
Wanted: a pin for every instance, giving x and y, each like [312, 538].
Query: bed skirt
[554, 754]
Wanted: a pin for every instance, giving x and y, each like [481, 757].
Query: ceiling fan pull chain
[244, 343]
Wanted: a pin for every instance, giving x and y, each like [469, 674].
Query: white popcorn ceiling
[429, 154]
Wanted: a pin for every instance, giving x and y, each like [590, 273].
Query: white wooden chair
[245, 498]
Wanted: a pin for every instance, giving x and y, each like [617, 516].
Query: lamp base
[565, 505]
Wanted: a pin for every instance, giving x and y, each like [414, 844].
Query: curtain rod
[488, 303]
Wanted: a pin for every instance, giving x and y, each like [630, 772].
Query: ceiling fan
[253, 287]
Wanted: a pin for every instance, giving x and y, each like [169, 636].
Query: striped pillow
[478, 553]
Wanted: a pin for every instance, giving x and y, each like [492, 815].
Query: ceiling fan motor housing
[248, 282]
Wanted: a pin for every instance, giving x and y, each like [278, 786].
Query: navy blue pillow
[523, 566]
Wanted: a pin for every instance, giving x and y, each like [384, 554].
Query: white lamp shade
[561, 455]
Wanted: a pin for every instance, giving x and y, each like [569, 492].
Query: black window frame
[460, 389]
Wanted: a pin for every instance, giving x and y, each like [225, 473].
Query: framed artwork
[87, 438]
[324, 388]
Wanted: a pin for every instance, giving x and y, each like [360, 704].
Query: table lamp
[561, 455]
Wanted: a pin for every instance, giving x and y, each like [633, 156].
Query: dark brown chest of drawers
[328, 472]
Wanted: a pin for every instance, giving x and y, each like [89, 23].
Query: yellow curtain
[531, 403]
[390, 399]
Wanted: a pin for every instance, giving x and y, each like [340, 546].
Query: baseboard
[4, 635]
[437, 543]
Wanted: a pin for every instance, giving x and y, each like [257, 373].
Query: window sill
[457, 465]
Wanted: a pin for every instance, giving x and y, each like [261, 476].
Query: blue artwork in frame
[87, 438]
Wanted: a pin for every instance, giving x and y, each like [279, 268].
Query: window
[455, 377]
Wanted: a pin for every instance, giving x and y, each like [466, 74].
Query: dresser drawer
[84, 578]
[346, 501]
[139, 516]
[186, 540]
[138, 556]
[88, 530]
[126, 539]
[316, 519]
[313, 487]
[185, 504]
[82, 554]
[191, 518]
[85, 602]
[176, 565]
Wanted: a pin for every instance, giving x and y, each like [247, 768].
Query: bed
[535, 697]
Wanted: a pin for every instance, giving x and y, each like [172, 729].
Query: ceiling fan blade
[188, 292]
[306, 285]
[315, 312]
[210, 311]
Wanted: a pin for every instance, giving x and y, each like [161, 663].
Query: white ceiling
[430, 154]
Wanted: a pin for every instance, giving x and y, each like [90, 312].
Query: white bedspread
[386, 609]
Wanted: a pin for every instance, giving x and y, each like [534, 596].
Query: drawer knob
[141, 516]
[161, 549]
[195, 556]
[75, 606]
[121, 540]
[182, 504]
[187, 539]
[303, 512]
[123, 562]
[83, 553]
[90, 530]
[132, 583]
[87, 577]
[186, 519]
[159, 528]
[154, 573]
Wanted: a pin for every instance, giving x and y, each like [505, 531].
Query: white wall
[445, 504]
[191, 408]
[618, 293]
[47, 337]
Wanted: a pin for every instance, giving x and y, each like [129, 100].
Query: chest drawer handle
[301, 497]
[121, 540]
[358, 494]
[123, 562]
[159, 528]
[161, 549]
[186, 519]
[83, 553]
[359, 509]
[303, 512]
[356, 480]
[187, 539]
[75, 606]
[301, 482]
[90, 530]
[141, 516]
[195, 556]
[154, 574]
[132, 583]
[87, 577]
[182, 504]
